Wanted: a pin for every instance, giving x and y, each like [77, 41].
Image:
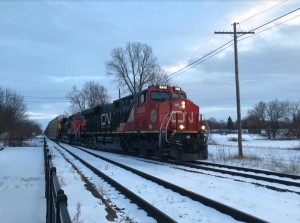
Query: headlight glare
[183, 104]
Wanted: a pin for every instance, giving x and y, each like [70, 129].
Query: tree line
[14, 122]
[269, 118]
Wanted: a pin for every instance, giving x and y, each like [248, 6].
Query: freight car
[54, 127]
[159, 121]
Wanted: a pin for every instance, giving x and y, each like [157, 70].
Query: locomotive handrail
[159, 138]
[175, 112]
[167, 125]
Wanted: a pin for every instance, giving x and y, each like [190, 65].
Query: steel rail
[256, 177]
[235, 213]
[283, 175]
[246, 175]
[150, 209]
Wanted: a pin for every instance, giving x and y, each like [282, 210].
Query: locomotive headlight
[163, 87]
[203, 127]
[181, 127]
[183, 104]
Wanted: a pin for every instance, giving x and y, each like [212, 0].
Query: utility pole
[237, 85]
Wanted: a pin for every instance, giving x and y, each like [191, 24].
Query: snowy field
[275, 155]
[22, 181]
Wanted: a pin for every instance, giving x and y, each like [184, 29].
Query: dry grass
[235, 139]
[272, 160]
[76, 217]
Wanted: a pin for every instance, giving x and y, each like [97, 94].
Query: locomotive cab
[180, 133]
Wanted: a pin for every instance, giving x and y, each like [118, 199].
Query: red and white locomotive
[159, 121]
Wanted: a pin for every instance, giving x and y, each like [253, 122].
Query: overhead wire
[199, 59]
[269, 28]
[222, 48]
[205, 59]
[275, 19]
[251, 17]
[191, 65]
[54, 99]
[194, 63]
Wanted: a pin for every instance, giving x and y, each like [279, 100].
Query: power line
[270, 27]
[52, 99]
[222, 48]
[204, 60]
[276, 19]
[263, 11]
[199, 59]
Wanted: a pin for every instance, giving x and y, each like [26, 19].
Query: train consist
[159, 121]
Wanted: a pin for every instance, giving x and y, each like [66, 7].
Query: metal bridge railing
[57, 211]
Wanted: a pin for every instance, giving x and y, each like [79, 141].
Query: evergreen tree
[230, 125]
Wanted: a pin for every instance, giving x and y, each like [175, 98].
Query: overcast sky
[46, 47]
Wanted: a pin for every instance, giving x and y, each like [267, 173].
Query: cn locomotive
[159, 121]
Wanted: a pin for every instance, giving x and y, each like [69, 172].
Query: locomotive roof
[153, 87]
[91, 110]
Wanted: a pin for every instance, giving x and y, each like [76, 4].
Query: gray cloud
[48, 46]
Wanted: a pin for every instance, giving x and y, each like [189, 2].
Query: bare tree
[12, 109]
[277, 111]
[89, 96]
[76, 99]
[135, 67]
[23, 130]
[268, 116]
[257, 117]
[294, 125]
[94, 94]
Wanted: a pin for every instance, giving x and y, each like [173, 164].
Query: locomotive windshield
[79, 117]
[160, 96]
[165, 96]
[178, 95]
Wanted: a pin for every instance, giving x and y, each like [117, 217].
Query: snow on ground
[21, 170]
[237, 192]
[92, 209]
[22, 187]
[276, 155]
[181, 208]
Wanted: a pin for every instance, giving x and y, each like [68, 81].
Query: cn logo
[181, 117]
[105, 118]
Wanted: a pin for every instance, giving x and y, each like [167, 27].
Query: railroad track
[285, 179]
[269, 173]
[151, 210]
[293, 179]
